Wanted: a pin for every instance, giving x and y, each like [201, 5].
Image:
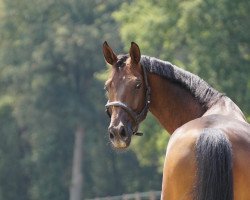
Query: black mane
[200, 89]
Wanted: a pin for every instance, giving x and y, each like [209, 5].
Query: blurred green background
[51, 87]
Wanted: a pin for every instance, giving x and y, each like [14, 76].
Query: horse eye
[138, 85]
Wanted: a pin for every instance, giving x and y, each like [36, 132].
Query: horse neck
[171, 104]
[179, 96]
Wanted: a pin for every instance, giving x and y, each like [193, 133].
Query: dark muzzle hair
[214, 166]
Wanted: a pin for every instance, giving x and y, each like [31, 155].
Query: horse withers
[208, 154]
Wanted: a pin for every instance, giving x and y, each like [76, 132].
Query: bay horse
[208, 154]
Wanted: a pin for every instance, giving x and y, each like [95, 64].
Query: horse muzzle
[120, 135]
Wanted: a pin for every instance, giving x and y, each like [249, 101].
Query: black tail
[214, 166]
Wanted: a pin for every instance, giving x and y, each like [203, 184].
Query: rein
[137, 117]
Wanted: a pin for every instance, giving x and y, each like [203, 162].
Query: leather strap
[136, 117]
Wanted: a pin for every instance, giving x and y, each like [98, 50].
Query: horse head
[128, 94]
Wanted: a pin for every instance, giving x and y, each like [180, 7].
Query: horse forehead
[123, 74]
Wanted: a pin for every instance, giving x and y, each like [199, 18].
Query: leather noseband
[137, 117]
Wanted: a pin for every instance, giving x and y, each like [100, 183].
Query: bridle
[137, 117]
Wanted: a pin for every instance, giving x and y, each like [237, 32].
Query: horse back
[180, 167]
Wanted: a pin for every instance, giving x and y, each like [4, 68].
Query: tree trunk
[77, 175]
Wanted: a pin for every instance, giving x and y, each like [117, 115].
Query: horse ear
[135, 53]
[108, 53]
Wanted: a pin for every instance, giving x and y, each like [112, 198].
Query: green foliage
[134, 23]
[50, 64]
[152, 24]
[151, 148]
[50, 54]
[218, 35]
[14, 175]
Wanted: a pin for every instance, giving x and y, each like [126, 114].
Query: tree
[218, 35]
[14, 175]
[48, 74]
[49, 54]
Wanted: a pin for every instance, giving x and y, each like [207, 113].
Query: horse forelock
[121, 62]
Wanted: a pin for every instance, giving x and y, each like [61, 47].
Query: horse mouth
[121, 143]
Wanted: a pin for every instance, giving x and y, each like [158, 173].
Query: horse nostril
[123, 133]
[111, 132]
[111, 136]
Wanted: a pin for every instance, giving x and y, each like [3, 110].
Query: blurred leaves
[151, 148]
[51, 80]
